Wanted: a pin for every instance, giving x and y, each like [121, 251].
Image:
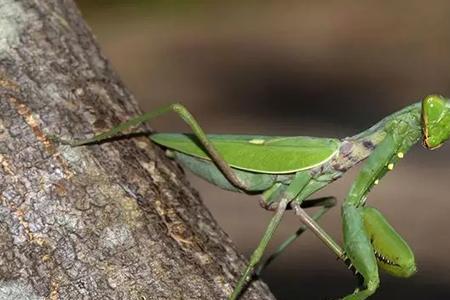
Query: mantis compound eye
[435, 121]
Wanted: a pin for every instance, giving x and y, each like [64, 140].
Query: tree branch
[111, 221]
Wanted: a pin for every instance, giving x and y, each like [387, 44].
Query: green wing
[261, 154]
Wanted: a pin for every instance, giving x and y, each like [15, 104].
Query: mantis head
[435, 121]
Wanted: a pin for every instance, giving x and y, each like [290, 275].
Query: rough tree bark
[110, 221]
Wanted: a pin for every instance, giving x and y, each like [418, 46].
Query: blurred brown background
[321, 68]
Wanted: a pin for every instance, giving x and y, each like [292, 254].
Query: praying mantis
[287, 171]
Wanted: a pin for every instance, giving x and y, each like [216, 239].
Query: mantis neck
[409, 114]
[358, 147]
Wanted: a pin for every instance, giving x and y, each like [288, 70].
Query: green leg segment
[294, 188]
[259, 251]
[324, 203]
[312, 225]
[357, 243]
[360, 252]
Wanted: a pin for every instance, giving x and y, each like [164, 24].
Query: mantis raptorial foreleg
[357, 242]
[324, 203]
[215, 156]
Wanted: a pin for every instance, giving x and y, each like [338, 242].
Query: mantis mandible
[286, 171]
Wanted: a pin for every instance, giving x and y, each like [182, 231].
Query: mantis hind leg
[324, 203]
[259, 251]
[189, 119]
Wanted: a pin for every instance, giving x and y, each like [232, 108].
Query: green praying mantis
[287, 171]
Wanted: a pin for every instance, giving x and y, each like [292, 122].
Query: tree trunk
[111, 221]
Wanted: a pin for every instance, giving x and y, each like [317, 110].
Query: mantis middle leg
[295, 187]
[324, 203]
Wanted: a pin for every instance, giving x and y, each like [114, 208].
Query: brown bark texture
[116, 220]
